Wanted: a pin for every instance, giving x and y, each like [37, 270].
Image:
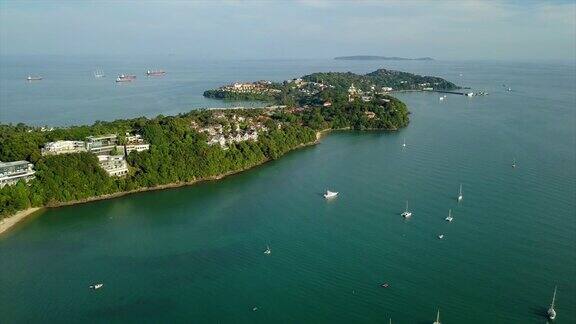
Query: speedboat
[551, 311]
[441, 236]
[330, 194]
[406, 213]
[385, 285]
[267, 251]
[460, 196]
[96, 286]
[437, 318]
[449, 218]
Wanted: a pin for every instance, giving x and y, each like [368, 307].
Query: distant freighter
[33, 78]
[125, 78]
[155, 72]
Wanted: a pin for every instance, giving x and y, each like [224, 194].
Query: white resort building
[135, 143]
[114, 165]
[63, 147]
[12, 172]
[101, 144]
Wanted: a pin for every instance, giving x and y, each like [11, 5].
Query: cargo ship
[155, 73]
[125, 78]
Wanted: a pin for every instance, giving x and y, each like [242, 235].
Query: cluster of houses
[111, 156]
[308, 87]
[366, 96]
[262, 86]
[230, 129]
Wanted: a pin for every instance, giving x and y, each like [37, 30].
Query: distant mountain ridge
[381, 58]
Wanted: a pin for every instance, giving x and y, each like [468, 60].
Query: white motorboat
[460, 196]
[406, 213]
[96, 286]
[441, 236]
[437, 318]
[330, 194]
[551, 311]
[449, 218]
[268, 251]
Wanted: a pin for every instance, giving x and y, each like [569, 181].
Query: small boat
[330, 194]
[460, 196]
[404, 144]
[551, 311]
[509, 89]
[33, 78]
[254, 308]
[441, 98]
[449, 218]
[441, 236]
[268, 251]
[437, 318]
[514, 163]
[96, 286]
[406, 213]
[155, 73]
[119, 79]
[99, 74]
[385, 285]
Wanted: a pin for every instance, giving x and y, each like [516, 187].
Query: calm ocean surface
[195, 254]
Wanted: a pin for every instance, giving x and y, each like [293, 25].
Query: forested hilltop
[201, 144]
[315, 87]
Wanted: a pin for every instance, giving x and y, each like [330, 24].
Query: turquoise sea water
[195, 254]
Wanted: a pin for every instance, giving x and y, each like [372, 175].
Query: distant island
[381, 58]
[50, 167]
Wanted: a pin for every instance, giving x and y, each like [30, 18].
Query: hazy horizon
[310, 29]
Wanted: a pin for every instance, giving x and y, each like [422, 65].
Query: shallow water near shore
[195, 254]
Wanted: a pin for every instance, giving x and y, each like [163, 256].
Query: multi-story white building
[63, 147]
[135, 143]
[12, 172]
[114, 165]
[101, 144]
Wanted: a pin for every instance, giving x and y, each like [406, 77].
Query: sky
[493, 30]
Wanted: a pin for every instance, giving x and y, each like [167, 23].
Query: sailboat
[406, 213]
[437, 318]
[551, 310]
[267, 251]
[460, 196]
[449, 218]
[99, 73]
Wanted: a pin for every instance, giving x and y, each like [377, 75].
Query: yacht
[551, 310]
[437, 318]
[267, 251]
[330, 194]
[406, 213]
[449, 218]
[96, 286]
[460, 196]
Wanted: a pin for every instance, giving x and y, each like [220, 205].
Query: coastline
[9, 222]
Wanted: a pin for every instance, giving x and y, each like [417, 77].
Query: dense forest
[381, 78]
